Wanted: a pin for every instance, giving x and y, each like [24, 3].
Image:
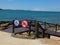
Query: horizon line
[30, 10]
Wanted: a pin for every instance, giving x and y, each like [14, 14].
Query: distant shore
[1, 9]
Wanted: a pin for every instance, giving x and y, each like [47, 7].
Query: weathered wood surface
[42, 27]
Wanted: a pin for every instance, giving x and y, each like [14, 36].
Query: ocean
[45, 16]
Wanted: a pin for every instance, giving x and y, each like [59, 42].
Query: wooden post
[45, 25]
[36, 29]
[43, 33]
[56, 27]
[13, 27]
[48, 35]
[30, 28]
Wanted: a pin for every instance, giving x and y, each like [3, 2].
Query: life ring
[24, 23]
[16, 22]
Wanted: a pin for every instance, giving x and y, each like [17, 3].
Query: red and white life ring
[24, 23]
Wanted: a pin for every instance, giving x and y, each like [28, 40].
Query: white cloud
[38, 9]
[45, 9]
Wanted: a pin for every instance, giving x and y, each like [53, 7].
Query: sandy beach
[7, 39]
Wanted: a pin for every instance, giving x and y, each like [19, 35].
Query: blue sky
[36, 5]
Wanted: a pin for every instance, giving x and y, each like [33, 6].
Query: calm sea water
[53, 17]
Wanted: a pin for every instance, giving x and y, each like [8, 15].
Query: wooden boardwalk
[38, 28]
